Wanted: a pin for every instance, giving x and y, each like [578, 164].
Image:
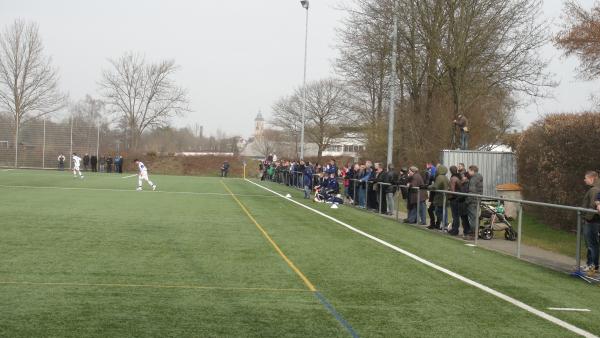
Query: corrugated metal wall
[496, 167]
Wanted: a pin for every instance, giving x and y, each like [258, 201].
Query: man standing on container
[591, 224]
[463, 125]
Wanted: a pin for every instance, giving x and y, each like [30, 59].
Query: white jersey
[143, 169]
[76, 161]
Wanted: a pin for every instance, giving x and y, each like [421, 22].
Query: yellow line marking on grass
[156, 286]
[289, 262]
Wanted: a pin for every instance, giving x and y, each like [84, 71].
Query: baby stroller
[494, 219]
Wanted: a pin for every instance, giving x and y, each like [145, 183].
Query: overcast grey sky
[236, 57]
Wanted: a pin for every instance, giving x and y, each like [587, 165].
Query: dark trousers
[454, 209]
[431, 213]
[590, 233]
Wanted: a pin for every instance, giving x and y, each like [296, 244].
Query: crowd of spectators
[105, 164]
[374, 186]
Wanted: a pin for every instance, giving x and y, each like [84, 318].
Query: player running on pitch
[143, 175]
[76, 163]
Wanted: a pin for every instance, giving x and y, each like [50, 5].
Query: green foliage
[553, 156]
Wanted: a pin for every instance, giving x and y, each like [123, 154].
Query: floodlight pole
[391, 118]
[305, 5]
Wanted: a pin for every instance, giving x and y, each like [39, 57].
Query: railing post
[444, 212]
[476, 232]
[354, 199]
[418, 203]
[519, 230]
[367, 195]
[398, 197]
[578, 254]
[380, 188]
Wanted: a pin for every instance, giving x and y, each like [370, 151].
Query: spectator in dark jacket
[463, 207]
[351, 176]
[463, 125]
[391, 178]
[455, 184]
[379, 190]
[591, 225]
[475, 187]
[225, 169]
[416, 197]
[86, 162]
[307, 178]
[94, 163]
[109, 164]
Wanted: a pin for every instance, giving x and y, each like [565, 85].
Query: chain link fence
[38, 143]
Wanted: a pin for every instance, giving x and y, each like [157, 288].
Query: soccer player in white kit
[76, 163]
[143, 175]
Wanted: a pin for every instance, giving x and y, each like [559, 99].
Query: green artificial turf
[94, 257]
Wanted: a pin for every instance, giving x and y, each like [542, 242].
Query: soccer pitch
[210, 257]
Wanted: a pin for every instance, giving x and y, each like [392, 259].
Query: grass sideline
[114, 245]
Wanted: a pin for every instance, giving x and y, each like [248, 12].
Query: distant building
[351, 145]
[259, 125]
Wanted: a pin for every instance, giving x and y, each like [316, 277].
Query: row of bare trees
[136, 95]
[470, 57]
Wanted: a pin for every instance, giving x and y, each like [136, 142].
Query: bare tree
[327, 113]
[287, 115]
[145, 95]
[28, 82]
[580, 36]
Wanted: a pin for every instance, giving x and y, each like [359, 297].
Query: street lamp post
[305, 5]
[390, 146]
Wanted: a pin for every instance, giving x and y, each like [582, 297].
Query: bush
[553, 156]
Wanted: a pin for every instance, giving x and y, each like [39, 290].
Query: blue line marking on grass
[336, 314]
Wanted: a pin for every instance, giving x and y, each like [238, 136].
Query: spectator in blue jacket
[331, 168]
[331, 185]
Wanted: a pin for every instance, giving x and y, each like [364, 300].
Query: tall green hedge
[553, 155]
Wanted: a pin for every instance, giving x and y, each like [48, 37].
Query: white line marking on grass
[466, 280]
[134, 191]
[471, 245]
[130, 176]
[568, 309]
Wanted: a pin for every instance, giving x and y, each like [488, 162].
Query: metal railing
[295, 179]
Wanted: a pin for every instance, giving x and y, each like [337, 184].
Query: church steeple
[259, 125]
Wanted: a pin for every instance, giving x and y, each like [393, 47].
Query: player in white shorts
[76, 163]
[143, 175]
